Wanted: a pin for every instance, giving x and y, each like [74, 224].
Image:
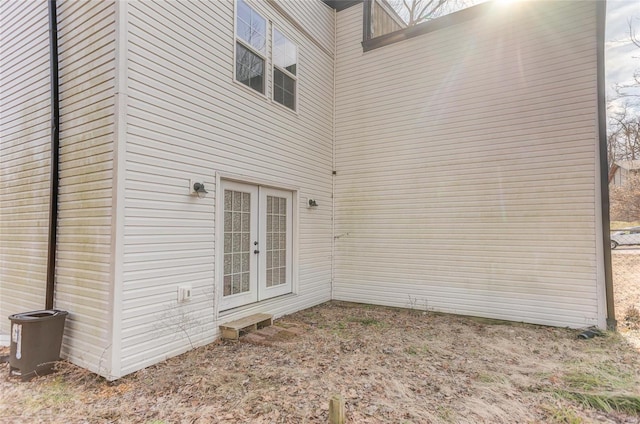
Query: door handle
[256, 251]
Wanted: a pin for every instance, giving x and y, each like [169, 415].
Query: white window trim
[274, 28]
[265, 56]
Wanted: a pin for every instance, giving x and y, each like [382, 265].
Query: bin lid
[38, 315]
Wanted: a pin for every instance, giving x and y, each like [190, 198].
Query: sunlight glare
[506, 2]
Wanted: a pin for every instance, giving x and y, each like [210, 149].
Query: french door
[257, 244]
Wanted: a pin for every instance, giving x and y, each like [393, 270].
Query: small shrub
[632, 317]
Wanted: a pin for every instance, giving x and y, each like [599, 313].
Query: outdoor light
[199, 189]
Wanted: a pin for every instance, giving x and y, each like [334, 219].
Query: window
[252, 52]
[408, 19]
[251, 47]
[285, 63]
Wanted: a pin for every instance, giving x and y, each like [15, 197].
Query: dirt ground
[625, 263]
[390, 365]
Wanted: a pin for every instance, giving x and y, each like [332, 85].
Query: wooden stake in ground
[336, 409]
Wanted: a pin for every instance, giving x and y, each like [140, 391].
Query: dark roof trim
[460, 16]
[339, 5]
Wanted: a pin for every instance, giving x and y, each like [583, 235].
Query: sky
[622, 57]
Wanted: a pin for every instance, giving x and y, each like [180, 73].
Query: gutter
[55, 148]
[604, 166]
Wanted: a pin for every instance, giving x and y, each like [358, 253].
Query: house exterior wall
[86, 46]
[625, 169]
[84, 248]
[620, 176]
[458, 154]
[24, 157]
[187, 119]
[314, 17]
[466, 159]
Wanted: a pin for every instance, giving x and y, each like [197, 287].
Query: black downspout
[604, 167]
[55, 147]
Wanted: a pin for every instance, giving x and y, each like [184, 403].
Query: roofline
[629, 165]
[339, 5]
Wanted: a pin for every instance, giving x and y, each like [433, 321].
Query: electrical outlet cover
[184, 293]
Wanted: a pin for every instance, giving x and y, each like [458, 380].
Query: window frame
[286, 72]
[245, 44]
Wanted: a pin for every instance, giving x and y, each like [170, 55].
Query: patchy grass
[599, 385]
[601, 376]
[618, 225]
[603, 402]
[391, 366]
[561, 415]
[367, 321]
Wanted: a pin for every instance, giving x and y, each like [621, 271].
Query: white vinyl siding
[188, 119]
[466, 160]
[466, 167]
[24, 157]
[83, 276]
[315, 17]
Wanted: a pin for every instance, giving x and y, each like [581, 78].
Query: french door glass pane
[276, 250]
[237, 246]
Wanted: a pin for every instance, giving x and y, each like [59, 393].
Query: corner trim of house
[601, 12]
[333, 155]
[118, 197]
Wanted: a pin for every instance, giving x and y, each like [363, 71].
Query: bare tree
[623, 134]
[623, 126]
[631, 90]
[417, 11]
[623, 138]
[625, 200]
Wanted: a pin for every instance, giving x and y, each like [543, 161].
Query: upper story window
[285, 64]
[390, 21]
[251, 47]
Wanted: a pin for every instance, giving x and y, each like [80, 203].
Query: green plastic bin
[36, 338]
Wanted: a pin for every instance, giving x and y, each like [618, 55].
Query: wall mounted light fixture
[199, 189]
